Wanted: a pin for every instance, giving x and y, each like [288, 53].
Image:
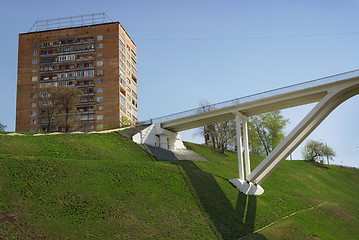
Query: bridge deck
[277, 99]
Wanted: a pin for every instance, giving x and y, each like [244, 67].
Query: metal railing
[67, 22]
[254, 97]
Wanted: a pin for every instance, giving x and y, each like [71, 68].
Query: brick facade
[98, 59]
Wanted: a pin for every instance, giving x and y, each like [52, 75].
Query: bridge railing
[254, 97]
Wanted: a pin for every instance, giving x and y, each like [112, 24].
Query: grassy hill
[103, 186]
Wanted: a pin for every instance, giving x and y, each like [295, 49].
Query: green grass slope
[103, 186]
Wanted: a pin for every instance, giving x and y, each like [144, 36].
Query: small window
[34, 79]
[99, 38]
[99, 117]
[33, 113]
[99, 73]
[99, 80]
[99, 108]
[35, 44]
[100, 54]
[100, 89]
[34, 70]
[99, 63]
[34, 61]
[34, 53]
[99, 99]
[33, 104]
[100, 45]
[99, 126]
[33, 95]
[32, 130]
[32, 121]
[33, 86]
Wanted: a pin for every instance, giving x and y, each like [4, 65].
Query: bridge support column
[163, 141]
[243, 186]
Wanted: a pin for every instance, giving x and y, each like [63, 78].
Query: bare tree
[48, 102]
[2, 127]
[67, 97]
[58, 106]
[218, 135]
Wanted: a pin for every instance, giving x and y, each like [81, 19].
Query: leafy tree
[266, 131]
[316, 151]
[2, 127]
[124, 122]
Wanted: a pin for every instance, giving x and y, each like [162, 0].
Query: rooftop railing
[67, 22]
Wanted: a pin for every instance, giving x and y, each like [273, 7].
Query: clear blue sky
[215, 50]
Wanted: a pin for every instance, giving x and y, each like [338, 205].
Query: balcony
[88, 103]
[90, 84]
[86, 112]
[68, 44]
[86, 122]
[89, 94]
[66, 70]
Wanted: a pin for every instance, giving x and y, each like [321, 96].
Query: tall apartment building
[98, 58]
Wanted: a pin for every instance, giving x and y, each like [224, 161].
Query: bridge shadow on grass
[230, 222]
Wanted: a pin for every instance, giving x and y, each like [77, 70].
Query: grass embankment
[102, 186]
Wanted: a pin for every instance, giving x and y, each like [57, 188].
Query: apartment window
[133, 54]
[128, 80]
[34, 53]
[100, 54]
[128, 106]
[35, 44]
[128, 89]
[100, 45]
[129, 97]
[134, 86]
[134, 111]
[32, 130]
[33, 104]
[33, 86]
[99, 126]
[99, 38]
[129, 114]
[134, 94]
[99, 63]
[100, 89]
[66, 57]
[99, 80]
[34, 61]
[99, 108]
[122, 65]
[99, 117]
[99, 73]
[121, 39]
[122, 73]
[33, 113]
[99, 99]
[128, 63]
[33, 95]
[123, 100]
[32, 121]
[34, 79]
[34, 70]
[122, 82]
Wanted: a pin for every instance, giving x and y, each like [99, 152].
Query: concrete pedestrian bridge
[328, 92]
